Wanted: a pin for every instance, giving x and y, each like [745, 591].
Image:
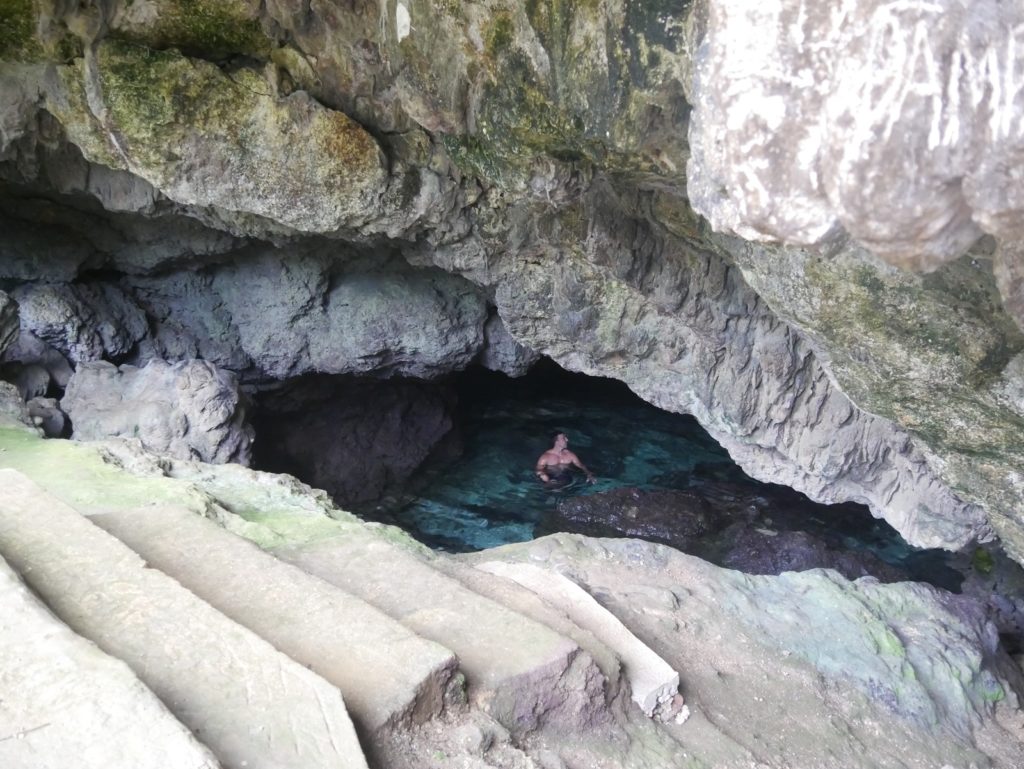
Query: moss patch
[208, 28]
[18, 40]
[78, 475]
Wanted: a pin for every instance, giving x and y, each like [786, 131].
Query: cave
[296, 299]
[452, 463]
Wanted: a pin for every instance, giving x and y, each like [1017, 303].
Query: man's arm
[539, 469]
[576, 461]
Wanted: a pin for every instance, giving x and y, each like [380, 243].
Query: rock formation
[537, 153]
[854, 673]
[356, 440]
[186, 410]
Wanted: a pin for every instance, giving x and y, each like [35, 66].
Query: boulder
[187, 410]
[755, 550]
[732, 524]
[359, 440]
[45, 414]
[30, 350]
[677, 518]
[84, 321]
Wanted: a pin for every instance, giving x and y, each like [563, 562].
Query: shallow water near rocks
[490, 496]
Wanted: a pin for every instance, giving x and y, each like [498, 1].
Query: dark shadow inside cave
[452, 463]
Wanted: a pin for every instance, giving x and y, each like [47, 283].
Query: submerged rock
[188, 410]
[730, 524]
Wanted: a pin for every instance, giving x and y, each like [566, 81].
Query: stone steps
[252, 705]
[64, 703]
[523, 673]
[386, 673]
[653, 683]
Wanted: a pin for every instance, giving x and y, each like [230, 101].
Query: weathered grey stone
[624, 298]
[503, 353]
[934, 354]
[387, 675]
[9, 322]
[302, 315]
[30, 350]
[251, 704]
[45, 413]
[357, 440]
[133, 102]
[896, 122]
[189, 409]
[85, 321]
[12, 407]
[188, 320]
[1008, 267]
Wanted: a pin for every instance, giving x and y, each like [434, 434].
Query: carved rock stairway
[250, 704]
[254, 655]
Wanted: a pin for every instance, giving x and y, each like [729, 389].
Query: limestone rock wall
[899, 123]
[248, 178]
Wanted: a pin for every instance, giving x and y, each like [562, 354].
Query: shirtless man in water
[554, 463]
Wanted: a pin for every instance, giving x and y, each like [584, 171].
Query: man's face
[561, 441]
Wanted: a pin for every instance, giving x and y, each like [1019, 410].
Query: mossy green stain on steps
[78, 475]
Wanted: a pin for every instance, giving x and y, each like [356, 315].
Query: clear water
[491, 496]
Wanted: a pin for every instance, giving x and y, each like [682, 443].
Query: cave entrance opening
[452, 463]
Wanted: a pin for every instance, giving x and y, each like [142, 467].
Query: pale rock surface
[896, 122]
[523, 674]
[388, 675]
[189, 409]
[847, 674]
[252, 705]
[67, 704]
[653, 683]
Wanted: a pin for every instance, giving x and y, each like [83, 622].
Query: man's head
[561, 441]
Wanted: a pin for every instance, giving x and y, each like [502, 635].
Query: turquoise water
[491, 496]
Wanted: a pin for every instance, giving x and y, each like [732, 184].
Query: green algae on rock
[207, 138]
[207, 27]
